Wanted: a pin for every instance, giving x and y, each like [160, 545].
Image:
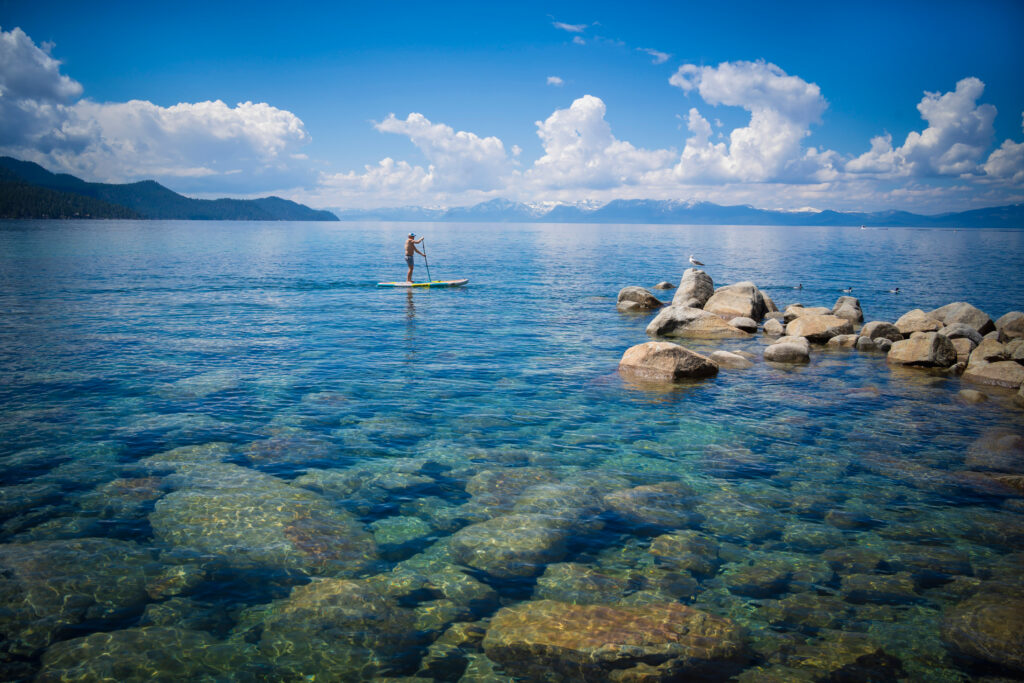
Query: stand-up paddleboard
[432, 283]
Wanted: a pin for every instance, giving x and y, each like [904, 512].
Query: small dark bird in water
[695, 261]
[894, 291]
[848, 290]
[799, 286]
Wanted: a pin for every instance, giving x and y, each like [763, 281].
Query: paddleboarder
[410, 250]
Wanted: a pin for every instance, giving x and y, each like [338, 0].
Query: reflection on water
[251, 464]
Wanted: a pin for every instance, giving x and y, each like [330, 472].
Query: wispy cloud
[658, 57]
[578, 40]
[555, 80]
[571, 28]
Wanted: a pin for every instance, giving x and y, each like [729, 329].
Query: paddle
[427, 263]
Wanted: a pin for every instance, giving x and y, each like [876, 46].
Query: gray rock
[866, 344]
[793, 350]
[989, 351]
[917, 321]
[1011, 324]
[774, 328]
[818, 328]
[739, 300]
[664, 284]
[848, 308]
[883, 344]
[513, 545]
[745, 324]
[923, 349]
[695, 288]
[961, 330]
[665, 361]
[997, 335]
[679, 321]
[963, 312]
[844, 341]
[878, 329]
[639, 296]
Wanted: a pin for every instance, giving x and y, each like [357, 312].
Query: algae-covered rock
[885, 589]
[730, 516]
[653, 642]
[151, 653]
[757, 580]
[334, 629]
[513, 545]
[988, 626]
[46, 586]
[256, 520]
[668, 504]
[573, 503]
[807, 610]
[687, 550]
[580, 584]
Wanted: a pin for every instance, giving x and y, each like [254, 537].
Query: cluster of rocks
[958, 337]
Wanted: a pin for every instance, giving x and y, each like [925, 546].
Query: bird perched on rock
[694, 261]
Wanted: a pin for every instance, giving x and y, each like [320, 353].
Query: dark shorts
[408, 261]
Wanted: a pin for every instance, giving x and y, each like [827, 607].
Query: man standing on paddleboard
[410, 249]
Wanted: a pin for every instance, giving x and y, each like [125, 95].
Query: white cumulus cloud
[459, 160]
[201, 147]
[580, 151]
[959, 133]
[1007, 162]
[782, 109]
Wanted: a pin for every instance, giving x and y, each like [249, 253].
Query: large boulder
[988, 626]
[665, 361]
[512, 545]
[963, 312]
[989, 351]
[1011, 324]
[695, 288]
[848, 308]
[917, 321]
[739, 300]
[923, 349]
[665, 641]
[681, 321]
[961, 331]
[818, 328]
[792, 350]
[878, 329]
[637, 299]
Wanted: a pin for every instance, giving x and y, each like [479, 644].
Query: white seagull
[695, 261]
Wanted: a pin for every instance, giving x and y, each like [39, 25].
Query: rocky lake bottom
[247, 464]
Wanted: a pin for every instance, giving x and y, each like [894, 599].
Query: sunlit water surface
[227, 455]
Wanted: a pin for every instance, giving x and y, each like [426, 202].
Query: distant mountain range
[28, 190]
[684, 212]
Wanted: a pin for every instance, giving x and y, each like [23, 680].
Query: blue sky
[788, 106]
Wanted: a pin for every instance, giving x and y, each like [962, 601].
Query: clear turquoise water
[386, 420]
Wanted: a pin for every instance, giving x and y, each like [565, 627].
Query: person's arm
[418, 251]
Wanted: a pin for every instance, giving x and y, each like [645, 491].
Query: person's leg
[408, 278]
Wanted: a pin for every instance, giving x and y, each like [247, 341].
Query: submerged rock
[695, 288]
[637, 299]
[664, 284]
[680, 321]
[256, 520]
[654, 642]
[513, 545]
[664, 361]
[668, 504]
[739, 300]
[988, 626]
[691, 551]
[924, 349]
[733, 361]
[846, 341]
[1001, 450]
[580, 584]
[47, 586]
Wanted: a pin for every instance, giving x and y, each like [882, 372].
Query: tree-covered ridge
[145, 199]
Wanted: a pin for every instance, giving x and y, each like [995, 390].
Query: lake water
[226, 455]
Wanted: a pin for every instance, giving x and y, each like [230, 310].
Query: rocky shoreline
[957, 339]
